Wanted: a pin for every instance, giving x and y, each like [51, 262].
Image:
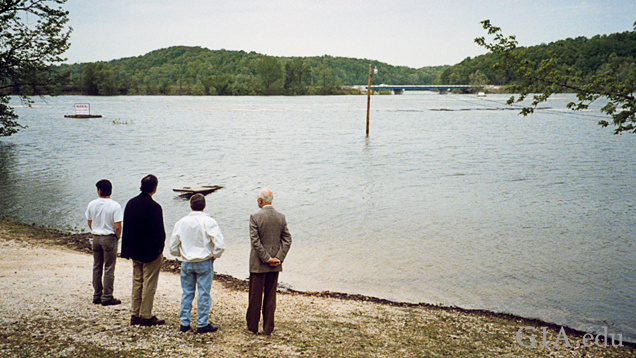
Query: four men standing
[197, 239]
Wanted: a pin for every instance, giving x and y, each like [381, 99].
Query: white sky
[400, 32]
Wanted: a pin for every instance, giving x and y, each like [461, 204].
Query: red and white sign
[83, 109]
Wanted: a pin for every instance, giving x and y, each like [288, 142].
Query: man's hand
[273, 262]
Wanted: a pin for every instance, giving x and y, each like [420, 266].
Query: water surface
[469, 206]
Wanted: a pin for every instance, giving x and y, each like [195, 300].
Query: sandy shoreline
[45, 307]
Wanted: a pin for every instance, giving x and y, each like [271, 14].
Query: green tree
[221, 84]
[296, 75]
[89, 79]
[99, 79]
[198, 89]
[164, 86]
[207, 84]
[325, 84]
[477, 78]
[151, 85]
[243, 86]
[548, 76]
[270, 74]
[28, 51]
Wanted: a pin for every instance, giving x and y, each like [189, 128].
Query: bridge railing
[398, 89]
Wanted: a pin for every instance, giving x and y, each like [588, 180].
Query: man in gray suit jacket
[270, 241]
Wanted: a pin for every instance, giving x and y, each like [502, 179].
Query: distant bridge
[399, 89]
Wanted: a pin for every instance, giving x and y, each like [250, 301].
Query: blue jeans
[196, 275]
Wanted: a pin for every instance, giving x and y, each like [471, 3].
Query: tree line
[182, 70]
[601, 54]
[600, 68]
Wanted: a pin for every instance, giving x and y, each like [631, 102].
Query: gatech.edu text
[526, 339]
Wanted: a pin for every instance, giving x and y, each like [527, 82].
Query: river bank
[46, 308]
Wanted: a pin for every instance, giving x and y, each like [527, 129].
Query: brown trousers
[145, 279]
[262, 293]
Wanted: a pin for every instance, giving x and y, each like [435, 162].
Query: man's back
[197, 237]
[144, 235]
[270, 238]
[103, 213]
[270, 241]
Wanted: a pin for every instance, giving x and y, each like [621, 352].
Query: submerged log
[187, 191]
[82, 116]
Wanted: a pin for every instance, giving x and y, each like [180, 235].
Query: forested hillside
[199, 71]
[615, 53]
[184, 70]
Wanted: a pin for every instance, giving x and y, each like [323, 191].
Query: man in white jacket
[197, 239]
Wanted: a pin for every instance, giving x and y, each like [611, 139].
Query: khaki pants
[145, 278]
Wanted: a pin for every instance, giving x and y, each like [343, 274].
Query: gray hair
[266, 195]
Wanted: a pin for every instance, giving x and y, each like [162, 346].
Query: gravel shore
[46, 310]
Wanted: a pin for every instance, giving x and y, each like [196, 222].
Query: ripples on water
[475, 208]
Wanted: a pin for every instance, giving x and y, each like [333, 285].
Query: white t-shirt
[104, 213]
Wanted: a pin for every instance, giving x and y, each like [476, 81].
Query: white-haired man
[270, 241]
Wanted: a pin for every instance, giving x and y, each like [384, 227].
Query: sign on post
[82, 109]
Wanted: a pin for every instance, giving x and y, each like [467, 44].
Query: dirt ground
[46, 310]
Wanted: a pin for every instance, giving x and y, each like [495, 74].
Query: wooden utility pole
[368, 99]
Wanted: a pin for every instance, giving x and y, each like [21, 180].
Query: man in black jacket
[143, 239]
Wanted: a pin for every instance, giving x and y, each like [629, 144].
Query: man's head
[104, 188]
[149, 184]
[197, 202]
[264, 197]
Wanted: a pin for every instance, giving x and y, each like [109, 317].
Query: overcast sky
[414, 33]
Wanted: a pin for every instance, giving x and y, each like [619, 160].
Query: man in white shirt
[104, 217]
[197, 239]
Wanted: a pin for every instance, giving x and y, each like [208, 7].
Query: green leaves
[297, 75]
[27, 52]
[270, 73]
[615, 81]
[8, 123]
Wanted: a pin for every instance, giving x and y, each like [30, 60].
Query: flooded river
[452, 199]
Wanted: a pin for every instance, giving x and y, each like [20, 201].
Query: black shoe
[154, 321]
[111, 302]
[184, 328]
[207, 329]
[134, 320]
[97, 300]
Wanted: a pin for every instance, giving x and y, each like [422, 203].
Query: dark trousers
[262, 294]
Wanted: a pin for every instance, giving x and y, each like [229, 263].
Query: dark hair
[197, 202]
[104, 187]
[149, 184]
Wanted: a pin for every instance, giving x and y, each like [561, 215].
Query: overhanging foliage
[614, 81]
[32, 38]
